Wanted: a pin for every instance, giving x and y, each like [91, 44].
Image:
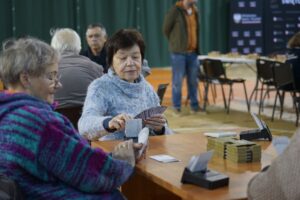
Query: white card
[199, 163]
[133, 127]
[143, 138]
[164, 158]
[280, 143]
[220, 134]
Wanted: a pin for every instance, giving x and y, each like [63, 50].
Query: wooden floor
[216, 118]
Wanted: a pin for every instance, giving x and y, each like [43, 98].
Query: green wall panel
[37, 17]
[6, 19]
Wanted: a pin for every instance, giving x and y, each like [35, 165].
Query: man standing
[96, 37]
[181, 27]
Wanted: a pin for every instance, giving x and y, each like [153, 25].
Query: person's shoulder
[89, 62]
[84, 52]
[41, 113]
[102, 82]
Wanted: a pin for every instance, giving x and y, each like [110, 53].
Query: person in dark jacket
[96, 37]
[293, 57]
[181, 27]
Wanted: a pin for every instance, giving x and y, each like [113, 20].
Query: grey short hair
[26, 55]
[99, 25]
[66, 39]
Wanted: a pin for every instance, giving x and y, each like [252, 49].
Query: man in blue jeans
[181, 28]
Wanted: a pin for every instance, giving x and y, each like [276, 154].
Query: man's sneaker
[197, 111]
[176, 112]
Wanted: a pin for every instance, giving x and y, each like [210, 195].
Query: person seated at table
[280, 180]
[76, 71]
[293, 57]
[39, 148]
[120, 94]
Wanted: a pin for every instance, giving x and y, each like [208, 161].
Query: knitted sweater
[43, 153]
[109, 96]
[281, 180]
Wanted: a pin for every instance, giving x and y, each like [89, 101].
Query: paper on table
[277, 146]
[199, 163]
[280, 143]
[220, 134]
[164, 158]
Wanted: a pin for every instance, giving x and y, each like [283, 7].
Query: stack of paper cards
[239, 151]
[164, 158]
[150, 112]
[243, 151]
[218, 145]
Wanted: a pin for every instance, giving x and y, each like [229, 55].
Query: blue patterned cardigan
[40, 149]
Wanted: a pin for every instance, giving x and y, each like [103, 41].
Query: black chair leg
[252, 93]
[296, 106]
[229, 99]
[246, 97]
[224, 98]
[275, 102]
[260, 106]
[205, 95]
[281, 103]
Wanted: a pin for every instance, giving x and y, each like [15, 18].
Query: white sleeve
[90, 124]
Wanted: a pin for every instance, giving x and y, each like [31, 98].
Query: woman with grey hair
[39, 148]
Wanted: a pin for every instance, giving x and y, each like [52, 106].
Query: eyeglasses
[54, 77]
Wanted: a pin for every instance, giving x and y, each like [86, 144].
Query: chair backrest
[213, 68]
[161, 90]
[264, 69]
[72, 113]
[9, 189]
[283, 74]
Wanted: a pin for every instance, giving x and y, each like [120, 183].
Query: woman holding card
[122, 93]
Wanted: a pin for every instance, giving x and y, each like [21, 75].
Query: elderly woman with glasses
[120, 94]
[39, 148]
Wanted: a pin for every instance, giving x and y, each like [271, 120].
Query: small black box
[208, 179]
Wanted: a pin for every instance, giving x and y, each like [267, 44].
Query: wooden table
[232, 60]
[155, 180]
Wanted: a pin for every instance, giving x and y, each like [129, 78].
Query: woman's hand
[118, 122]
[128, 151]
[124, 151]
[156, 122]
[137, 148]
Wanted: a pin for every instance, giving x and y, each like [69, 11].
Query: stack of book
[235, 150]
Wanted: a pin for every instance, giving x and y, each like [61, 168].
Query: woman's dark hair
[124, 38]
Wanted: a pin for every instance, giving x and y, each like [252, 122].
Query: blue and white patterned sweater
[109, 96]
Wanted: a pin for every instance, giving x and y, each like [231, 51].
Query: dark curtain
[37, 17]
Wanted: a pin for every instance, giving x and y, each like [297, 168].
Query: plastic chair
[284, 82]
[264, 81]
[72, 113]
[161, 90]
[216, 74]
